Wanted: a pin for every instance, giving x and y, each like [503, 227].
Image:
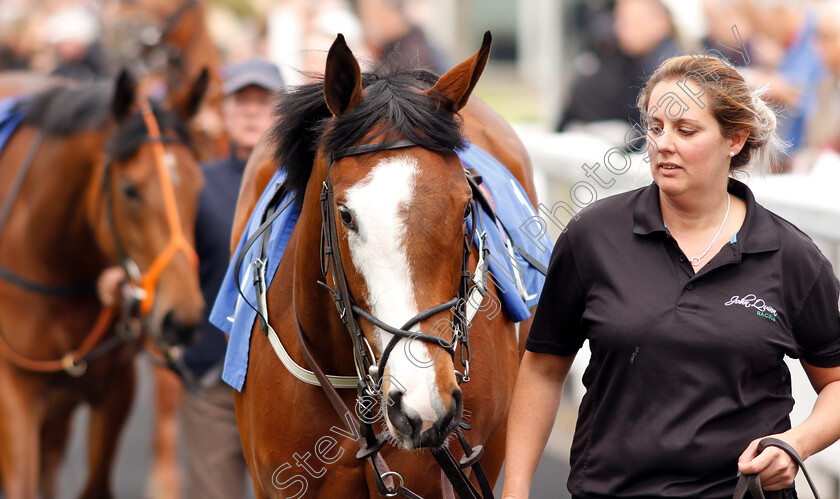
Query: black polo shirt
[686, 368]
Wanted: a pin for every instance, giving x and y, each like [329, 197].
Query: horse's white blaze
[379, 253]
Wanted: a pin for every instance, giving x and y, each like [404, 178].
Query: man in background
[216, 465]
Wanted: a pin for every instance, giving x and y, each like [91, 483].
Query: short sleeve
[817, 326]
[557, 327]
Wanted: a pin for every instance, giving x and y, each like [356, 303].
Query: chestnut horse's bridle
[369, 372]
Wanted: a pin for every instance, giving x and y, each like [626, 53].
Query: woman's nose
[664, 142]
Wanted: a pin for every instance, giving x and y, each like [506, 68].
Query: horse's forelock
[131, 133]
[393, 102]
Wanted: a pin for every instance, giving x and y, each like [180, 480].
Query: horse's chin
[432, 438]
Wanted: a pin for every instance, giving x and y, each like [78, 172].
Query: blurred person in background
[73, 33]
[644, 36]
[790, 66]
[822, 131]
[326, 18]
[299, 34]
[721, 16]
[12, 28]
[394, 38]
[216, 465]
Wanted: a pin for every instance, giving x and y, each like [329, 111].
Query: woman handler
[690, 294]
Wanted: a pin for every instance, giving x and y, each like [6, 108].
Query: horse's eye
[131, 191]
[467, 211]
[347, 218]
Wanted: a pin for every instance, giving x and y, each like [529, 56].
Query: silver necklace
[696, 260]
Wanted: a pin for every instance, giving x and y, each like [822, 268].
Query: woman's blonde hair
[735, 106]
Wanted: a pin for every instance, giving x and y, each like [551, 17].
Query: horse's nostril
[176, 332]
[447, 423]
[404, 423]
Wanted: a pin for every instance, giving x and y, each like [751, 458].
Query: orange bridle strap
[177, 240]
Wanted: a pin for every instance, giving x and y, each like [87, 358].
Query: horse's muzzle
[175, 331]
[415, 433]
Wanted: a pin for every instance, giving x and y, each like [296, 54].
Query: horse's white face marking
[379, 253]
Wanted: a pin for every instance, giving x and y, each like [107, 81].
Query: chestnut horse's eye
[347, 218]
[131, 191]
[467, 211]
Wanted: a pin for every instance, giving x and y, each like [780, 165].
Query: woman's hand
[775, 467]
[108, 285]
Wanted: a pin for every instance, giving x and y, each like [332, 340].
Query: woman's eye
[347, 218]
[686, 131]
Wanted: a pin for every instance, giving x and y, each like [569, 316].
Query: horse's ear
[124, 93]
[342, 79]
[458, 83]
[186, 104]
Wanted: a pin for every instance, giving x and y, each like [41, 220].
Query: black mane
[61, 111]
[392, 99]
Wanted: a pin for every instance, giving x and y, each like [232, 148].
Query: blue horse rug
[519, 283]
[10, 117]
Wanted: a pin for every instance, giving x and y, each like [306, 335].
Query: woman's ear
[737, 141]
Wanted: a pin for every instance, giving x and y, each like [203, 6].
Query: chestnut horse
[92, 177]
[382, 147]
[168, 41]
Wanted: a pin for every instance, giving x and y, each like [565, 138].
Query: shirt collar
[757, 234]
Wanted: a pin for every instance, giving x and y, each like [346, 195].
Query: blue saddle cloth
[518, 294]
[10, 118]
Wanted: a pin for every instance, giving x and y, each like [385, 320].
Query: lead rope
[752, 483]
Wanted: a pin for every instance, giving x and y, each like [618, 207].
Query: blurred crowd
[790, 48]
[88, 39]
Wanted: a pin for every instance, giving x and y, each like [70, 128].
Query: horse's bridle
[145, 283]
[139, 289]
[138, 294]
[369, 372]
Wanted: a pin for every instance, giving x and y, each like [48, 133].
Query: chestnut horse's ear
[342, 79]
[124, 92]
[458, 83]
[186, 104]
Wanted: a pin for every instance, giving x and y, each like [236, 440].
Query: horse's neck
[56, 229]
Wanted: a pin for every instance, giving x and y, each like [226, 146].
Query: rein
[137, 294]
[752, 483]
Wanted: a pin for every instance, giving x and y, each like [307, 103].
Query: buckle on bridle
[71, 367]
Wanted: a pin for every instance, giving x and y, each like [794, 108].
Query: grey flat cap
[258, 72]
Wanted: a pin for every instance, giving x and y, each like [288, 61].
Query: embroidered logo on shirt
[752, 301]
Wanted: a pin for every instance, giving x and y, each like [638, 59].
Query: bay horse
[92, 177]
[381, 145]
